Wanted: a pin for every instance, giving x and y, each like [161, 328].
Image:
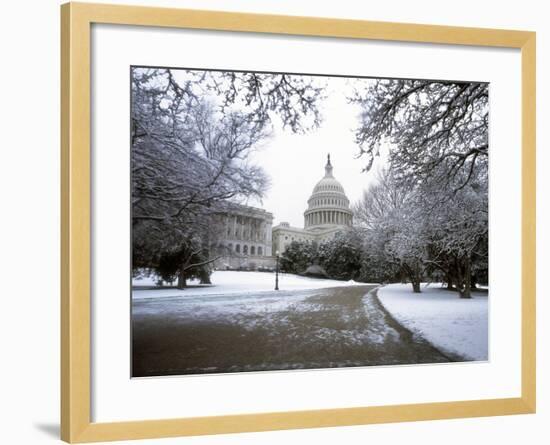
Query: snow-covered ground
[235, 282]
[451, 324]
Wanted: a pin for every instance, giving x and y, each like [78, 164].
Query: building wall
[284, 234]
[247, 239]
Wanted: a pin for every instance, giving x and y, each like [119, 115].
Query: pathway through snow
[193, 333]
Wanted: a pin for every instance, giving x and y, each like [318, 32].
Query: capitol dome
[328, 205]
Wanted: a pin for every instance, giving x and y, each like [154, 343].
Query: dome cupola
[328, 205]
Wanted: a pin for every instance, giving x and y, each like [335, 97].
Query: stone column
[263, 234]
[269, 246]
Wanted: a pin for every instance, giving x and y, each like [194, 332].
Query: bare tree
[393, 227]
[424, 229]
[432, 128]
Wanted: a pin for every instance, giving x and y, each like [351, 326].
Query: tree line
[428, 214]
[340, 258]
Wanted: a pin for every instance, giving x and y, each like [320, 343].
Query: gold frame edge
[76, 19]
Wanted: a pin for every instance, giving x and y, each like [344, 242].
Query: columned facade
[247, 238]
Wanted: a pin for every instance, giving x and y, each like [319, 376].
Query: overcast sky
[295, 163]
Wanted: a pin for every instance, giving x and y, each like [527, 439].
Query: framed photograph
[276, 222]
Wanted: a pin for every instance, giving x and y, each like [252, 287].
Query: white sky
[295, 163]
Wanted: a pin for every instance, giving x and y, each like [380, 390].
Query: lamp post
[277, 270]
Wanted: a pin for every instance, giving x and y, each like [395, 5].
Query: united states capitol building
[251, 241]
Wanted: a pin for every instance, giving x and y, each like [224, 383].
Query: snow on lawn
[451, 324]
[243, 308]
[235, 282]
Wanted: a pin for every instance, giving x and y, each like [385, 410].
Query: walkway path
[320, 328]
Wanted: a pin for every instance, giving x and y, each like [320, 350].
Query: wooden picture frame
[76, 21]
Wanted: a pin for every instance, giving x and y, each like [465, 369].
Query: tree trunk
[205, 277]
[459, 277]
[182, 279]
[467, 291]
[414, 277]
[449, 282]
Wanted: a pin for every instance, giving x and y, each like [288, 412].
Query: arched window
[260, 252]
[238, 248]
[252, 250]
[230, 246]
[245, 249]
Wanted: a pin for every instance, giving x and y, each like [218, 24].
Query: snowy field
[451, 324]
[235, 282]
